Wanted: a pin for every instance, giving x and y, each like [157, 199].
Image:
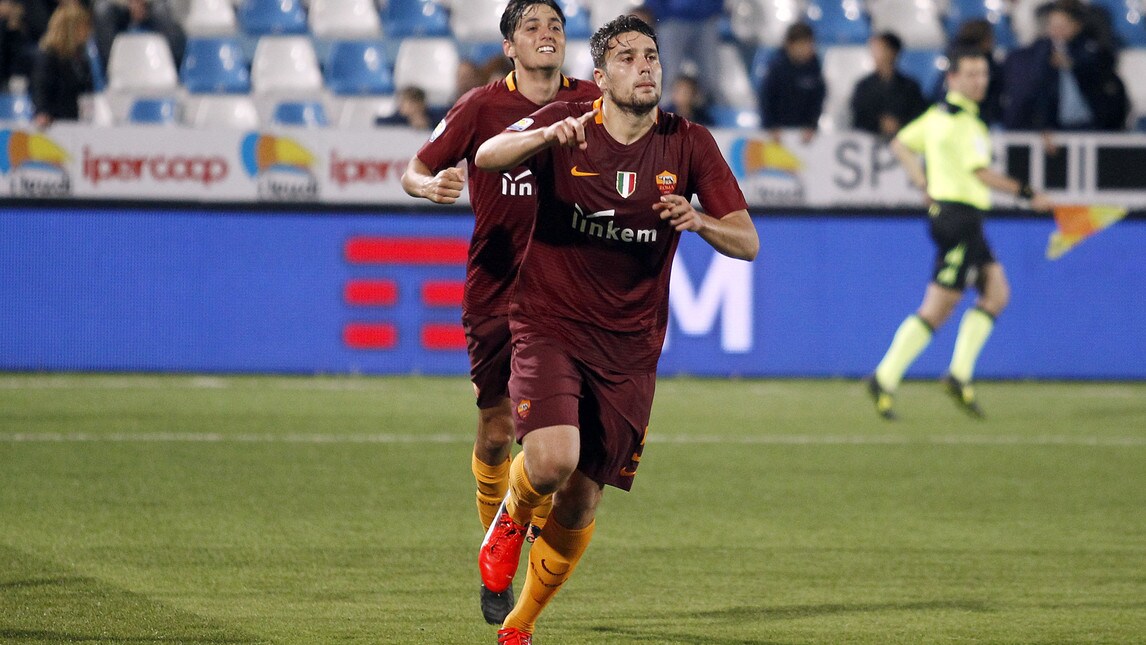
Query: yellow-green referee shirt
[954, 144]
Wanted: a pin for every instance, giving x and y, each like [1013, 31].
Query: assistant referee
[955, 147]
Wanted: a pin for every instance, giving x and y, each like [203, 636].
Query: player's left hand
[679, 212]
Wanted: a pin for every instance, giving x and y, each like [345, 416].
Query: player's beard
[637, 106]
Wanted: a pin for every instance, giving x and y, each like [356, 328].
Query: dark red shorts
[487, 341]
[548, 387]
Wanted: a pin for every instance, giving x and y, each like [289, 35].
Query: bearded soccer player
[504, 205]
[590, 310]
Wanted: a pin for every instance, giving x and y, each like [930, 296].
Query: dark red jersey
[504, 203]
[596, 273]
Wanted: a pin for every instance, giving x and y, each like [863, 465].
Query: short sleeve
[453, 138]
[712, 179]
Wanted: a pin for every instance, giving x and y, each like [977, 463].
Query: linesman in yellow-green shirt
[956, 176]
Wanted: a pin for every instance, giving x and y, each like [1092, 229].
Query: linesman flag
[1077, 222]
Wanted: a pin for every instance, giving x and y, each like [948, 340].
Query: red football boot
[513, 636]
[500, 551]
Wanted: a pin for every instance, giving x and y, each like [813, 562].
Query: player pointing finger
[570, 131]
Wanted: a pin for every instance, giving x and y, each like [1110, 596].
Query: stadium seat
[843, 66]
[763, 22]
[215, 66]
[306, 114]
[414, 18]
[285, 64]
[141, 61]
[578, 60]
[266, 17]
[16, 108]
[734, 87]
[917, 22]
[1024, 23]
[838, 22]
[1132, 70]
[576, 20]
[923, 65]
[727, 116]
[154, 111]
[97, 109]
[210, 18]
[357, 67]
[431, 64]
[359, 112]
[344, 19]
[1128, 18]
[475, 21]
[602, 11]
[227, 111]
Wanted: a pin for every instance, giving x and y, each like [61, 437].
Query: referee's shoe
[882, 398]
[963, 395]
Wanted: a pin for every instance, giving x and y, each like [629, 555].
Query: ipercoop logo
[385, 285]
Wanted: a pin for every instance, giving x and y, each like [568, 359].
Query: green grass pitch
[299, 511]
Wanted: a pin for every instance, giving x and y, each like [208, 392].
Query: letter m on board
[725, 290]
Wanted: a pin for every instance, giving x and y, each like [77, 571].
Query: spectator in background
[685, 100]
[113, 17]
[62, 71]
[412, 110]
[1065, 80]
[977, 33]
[14, 59]
[470, 75]
[688, 30]
[792, 95]
[887, 98]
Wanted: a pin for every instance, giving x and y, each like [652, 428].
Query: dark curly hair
[599, 43]
[515, 11]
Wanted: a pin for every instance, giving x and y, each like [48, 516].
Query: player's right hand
[444, 187]
[570, 132]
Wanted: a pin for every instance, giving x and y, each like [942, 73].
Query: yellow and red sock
[551, 561]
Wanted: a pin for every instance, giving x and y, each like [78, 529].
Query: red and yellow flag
[1077, 222]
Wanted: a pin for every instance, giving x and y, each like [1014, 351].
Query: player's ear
[507, 49]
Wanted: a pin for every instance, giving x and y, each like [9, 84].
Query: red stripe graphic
[370, 335]
[443, 337]
[442, 294]
[371, 293]
[384, 250]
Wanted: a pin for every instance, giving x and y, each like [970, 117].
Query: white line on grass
[784, 440]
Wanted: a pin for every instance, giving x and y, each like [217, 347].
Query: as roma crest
[666, 182]
[626, 183]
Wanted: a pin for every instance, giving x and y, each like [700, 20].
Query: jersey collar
[511, 81]
[600, 118]
[955, 98]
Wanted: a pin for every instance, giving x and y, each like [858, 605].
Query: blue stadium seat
[576, 20]
[418, 18]
[838, 22]
[480, 52]
[760, 61]
[1127, 19]
[16, 108]
[154, 111]
[923, 65]
[215, 66]
[359, 67]
[262, 17]
[307, 114]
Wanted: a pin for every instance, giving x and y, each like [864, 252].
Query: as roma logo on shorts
[523, 408]
[626, 183]
[666, 182]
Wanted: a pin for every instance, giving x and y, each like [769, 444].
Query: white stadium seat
[210, 18]
[286, 65]
[919, 23]
[843, 66]
[1132, 70]
[141, 61]
[431, 64]
[359, 112]
[578, 60]
[602, 11]
[344, 19]
[475, 20]
[734, 86]
[225, 111]
[764, 22]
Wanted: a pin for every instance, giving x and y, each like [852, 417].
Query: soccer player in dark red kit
[504, 205]
[590, 310]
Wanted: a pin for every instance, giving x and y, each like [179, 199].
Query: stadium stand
[838, 22]
[141, 61]
[344, 19]
[285, 64]
[303, 113]
[216, 65]
[267, 17]
[1128, 18]
[763, 22]
[358, 67]
[923, 65]
[154, 111]
[475, 21]
[210, 18]
[843, 66]
[917, 22]
[431, 64]
[414, 18]
[224, 111]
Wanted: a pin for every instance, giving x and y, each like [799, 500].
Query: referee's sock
[523, 499]
[910, 339]
[974, 329]
[551, 561]
[492, 482]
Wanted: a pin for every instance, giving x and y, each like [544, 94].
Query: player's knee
[495, 432]
[547, 473]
